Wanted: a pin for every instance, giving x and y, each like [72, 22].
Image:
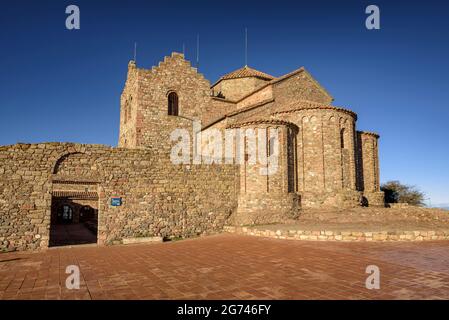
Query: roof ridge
[238, 111]
[271, 82]
[245, 72]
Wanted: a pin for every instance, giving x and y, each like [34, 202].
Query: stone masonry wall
[326, 171]
[267, 198]
[235, 89]
[159, 199]
[369, 173]
[300, 86]
[128, 109]
[262, 198]
[263, 94]
[174, 74]
[216, 109]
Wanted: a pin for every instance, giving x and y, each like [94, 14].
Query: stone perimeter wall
[159, 199]
[327, 235]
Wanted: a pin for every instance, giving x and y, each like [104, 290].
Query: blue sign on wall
[115, 202]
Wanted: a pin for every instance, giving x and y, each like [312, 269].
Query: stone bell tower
[157, 101]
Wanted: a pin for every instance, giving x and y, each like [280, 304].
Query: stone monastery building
[134, 190]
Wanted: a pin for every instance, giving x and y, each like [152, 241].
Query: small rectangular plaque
[116, 202]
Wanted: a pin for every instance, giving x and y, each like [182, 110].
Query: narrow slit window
[342, 138]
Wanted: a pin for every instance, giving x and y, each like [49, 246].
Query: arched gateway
[74, 204]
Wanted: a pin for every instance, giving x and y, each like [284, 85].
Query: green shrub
[396, 192]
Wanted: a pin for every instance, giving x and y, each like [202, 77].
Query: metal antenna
[246, 47]
[184, 49]
[198, 50]
[135, 52]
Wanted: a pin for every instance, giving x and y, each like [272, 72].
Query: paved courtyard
[231, 267]
[71, 234]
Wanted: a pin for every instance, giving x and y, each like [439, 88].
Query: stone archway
[75, 202]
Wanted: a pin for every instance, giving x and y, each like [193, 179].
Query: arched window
[173, 104]
[342, 138]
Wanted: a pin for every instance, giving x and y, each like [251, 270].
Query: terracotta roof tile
[246, 72]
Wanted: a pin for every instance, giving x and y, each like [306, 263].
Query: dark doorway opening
[74, 221]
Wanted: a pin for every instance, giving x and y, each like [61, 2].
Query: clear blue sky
[61, 85]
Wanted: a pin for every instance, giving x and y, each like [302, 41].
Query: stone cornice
[368, 133]
[223, 100]
[308, 105]
[261, 121]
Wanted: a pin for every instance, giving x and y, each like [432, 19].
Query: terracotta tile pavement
[231, 267]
